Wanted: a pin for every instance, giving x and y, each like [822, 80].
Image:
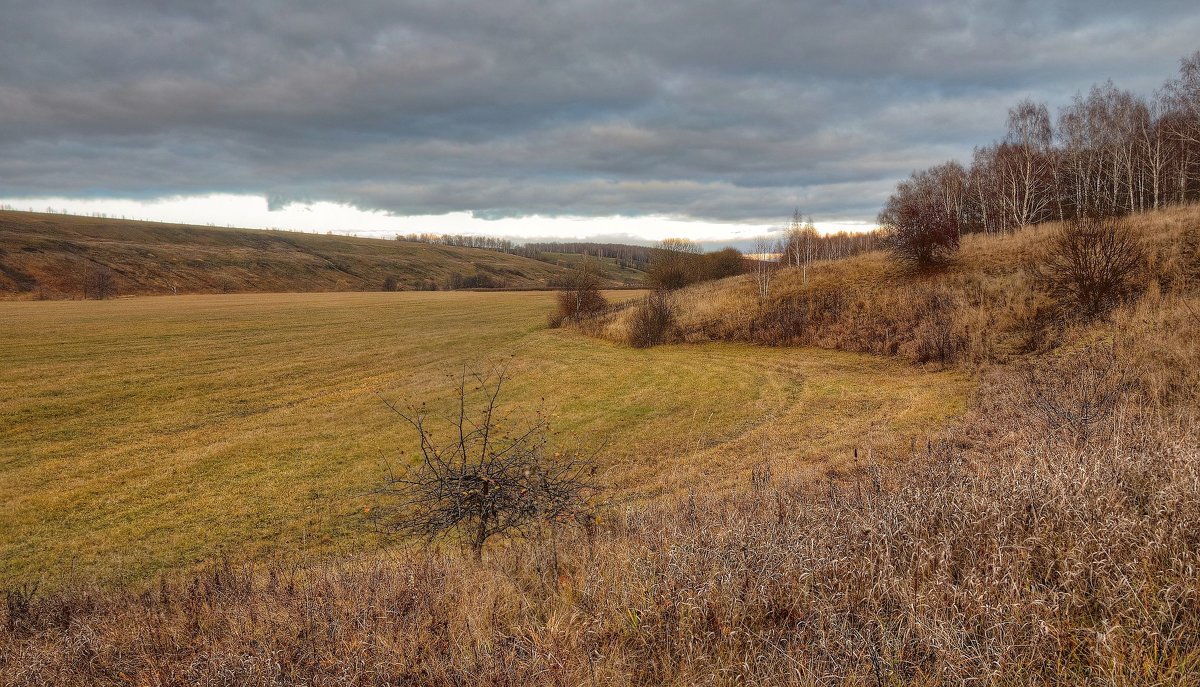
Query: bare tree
[920, 227]
[762, 267]
[491, 478]
[1183, 93]
[1023, 162]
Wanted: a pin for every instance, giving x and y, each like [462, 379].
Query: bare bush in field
[1073, 395]
[491, 478]
[651, 321]
[580, 296]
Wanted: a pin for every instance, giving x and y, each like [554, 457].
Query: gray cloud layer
[710, 109]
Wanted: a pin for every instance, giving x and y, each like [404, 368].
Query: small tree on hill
[921, 227]
[762, 267]
[490, 478]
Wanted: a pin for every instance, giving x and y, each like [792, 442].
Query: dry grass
[141, 435]
[1026, 560]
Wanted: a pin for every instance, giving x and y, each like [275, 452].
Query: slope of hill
[51, 256]
[983, 307]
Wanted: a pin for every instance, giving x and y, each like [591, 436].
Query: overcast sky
[577, 117]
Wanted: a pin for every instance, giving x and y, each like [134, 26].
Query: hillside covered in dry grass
[982, 307]
[52, 256]
[1050, 536]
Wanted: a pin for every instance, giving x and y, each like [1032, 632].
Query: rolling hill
[51, 256]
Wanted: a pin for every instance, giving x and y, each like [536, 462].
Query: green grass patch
[141, 435]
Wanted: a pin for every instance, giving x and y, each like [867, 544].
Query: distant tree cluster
[675, 263]
[1108, 154]
[99, 282]
[462, 241]
[479, 280]
[629, 256]
[803, 245]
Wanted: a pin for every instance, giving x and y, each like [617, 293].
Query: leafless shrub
[1091, 265]
[18, 602]
[492, 478]
[1073, 396]
[652, 321]
[390, 283]
[580, 296]
[934, 337]
[99, 282]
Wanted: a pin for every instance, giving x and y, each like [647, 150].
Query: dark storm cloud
[709, 109]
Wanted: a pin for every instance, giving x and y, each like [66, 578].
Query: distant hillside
[610, 268]
[52, 256]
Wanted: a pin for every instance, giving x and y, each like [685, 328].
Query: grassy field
[139, 435]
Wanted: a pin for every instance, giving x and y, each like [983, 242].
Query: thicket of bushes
[676, 263]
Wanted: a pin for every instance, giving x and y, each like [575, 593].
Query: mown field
[146, 434]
